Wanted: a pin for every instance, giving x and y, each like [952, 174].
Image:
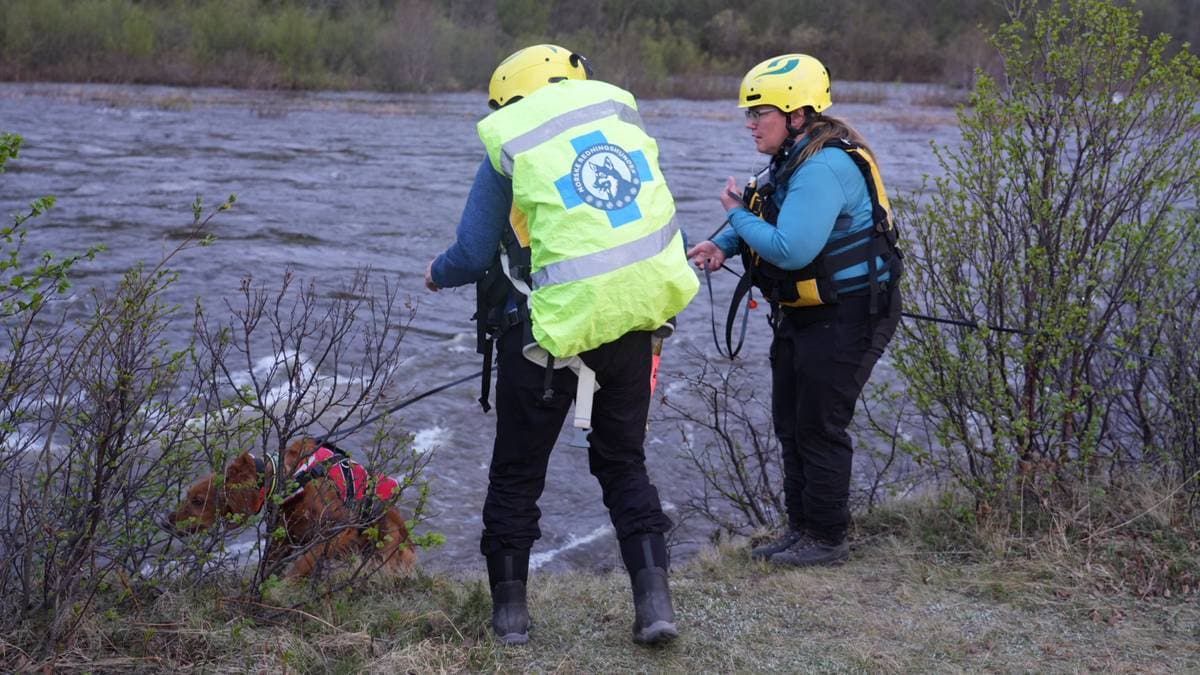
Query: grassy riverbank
[656, 49]
[448, 45]
[923, 592]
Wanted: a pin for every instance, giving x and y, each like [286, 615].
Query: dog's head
[205, 501]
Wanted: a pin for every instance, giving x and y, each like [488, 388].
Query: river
[328, 182]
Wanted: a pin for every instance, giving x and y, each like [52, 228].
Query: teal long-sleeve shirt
[825, 199]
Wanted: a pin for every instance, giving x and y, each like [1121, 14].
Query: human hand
[707, 256]
[429, 278]
[731, 196]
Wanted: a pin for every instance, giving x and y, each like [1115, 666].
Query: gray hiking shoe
[783, 542]
[510, 615]
[812, 553]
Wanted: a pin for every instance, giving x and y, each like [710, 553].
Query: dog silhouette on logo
[609, 181]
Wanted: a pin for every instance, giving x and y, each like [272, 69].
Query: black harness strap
[492, 315]
[320, 469]
[260, 468]
[485, 384]
[348, 477]
[850, 250]
[490, 292]
[742, 289]
[548, 380]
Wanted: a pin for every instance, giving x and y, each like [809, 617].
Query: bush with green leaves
[27, 281]
[104, 422]
[1067, 216]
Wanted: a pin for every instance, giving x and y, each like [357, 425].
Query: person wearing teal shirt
[815, 233]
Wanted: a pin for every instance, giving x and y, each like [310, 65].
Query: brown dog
[326, 510]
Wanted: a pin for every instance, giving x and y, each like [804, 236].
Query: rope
[341, 434]
[979, 325]
[965, 323]
[730, 352]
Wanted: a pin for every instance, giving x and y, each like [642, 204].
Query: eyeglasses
[753, 115]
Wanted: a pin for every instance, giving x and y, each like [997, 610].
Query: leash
[980, 325]
[342, 434]
[730, 352]
[744, 286]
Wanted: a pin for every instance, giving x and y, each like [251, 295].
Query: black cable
[718, 230]
[1030, 333]
[908, 315]
[730, 352]
[403, 404]
[964, 323]
[953, 322]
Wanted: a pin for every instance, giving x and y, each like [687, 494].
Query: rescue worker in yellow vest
[569, 230]
[816, 238]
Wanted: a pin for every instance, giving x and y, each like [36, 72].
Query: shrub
[290, 39]
[724, 420]
[102, 421]
[1060, 223]
[223, 28]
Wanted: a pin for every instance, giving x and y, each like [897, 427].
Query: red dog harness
[350, 478]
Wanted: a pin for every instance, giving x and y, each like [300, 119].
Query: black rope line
[980, 325]
[343, 433]
[977, 325]
[965, 323]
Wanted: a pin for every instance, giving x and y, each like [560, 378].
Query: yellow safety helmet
[788, 82]
[532, 68]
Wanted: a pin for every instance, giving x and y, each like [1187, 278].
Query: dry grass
[925, 590]
[893, 609]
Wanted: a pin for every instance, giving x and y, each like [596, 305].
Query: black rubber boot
[507, 572]
[783, 542]
[510, 614]
[654, 617]
[815, 552]
[645, 557]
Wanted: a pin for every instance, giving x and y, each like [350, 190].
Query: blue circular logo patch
[605, 177]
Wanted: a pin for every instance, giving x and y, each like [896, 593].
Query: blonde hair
[822, 128]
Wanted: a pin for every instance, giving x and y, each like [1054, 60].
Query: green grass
[922, 592]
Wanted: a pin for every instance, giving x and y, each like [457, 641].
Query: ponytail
[821, 129]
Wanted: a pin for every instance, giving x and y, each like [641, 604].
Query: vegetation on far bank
[687, 48]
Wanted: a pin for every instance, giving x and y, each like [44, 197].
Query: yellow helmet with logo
[532, 68]
[788, 82]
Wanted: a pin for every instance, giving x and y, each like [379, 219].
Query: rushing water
[330, 182]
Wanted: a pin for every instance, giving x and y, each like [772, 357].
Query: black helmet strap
[576, 59]
[810, 116]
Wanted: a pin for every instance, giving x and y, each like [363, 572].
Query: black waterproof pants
[821, 358]
[527, 427]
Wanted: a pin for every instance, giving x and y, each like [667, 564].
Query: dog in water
[331, 508]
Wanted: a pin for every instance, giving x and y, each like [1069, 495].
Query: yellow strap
[520, 225]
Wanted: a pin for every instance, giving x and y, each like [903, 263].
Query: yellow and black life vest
[814, 284]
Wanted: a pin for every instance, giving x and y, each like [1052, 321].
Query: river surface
[329, 182]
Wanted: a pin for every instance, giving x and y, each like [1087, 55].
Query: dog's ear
[296, 451]
[241, 485]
